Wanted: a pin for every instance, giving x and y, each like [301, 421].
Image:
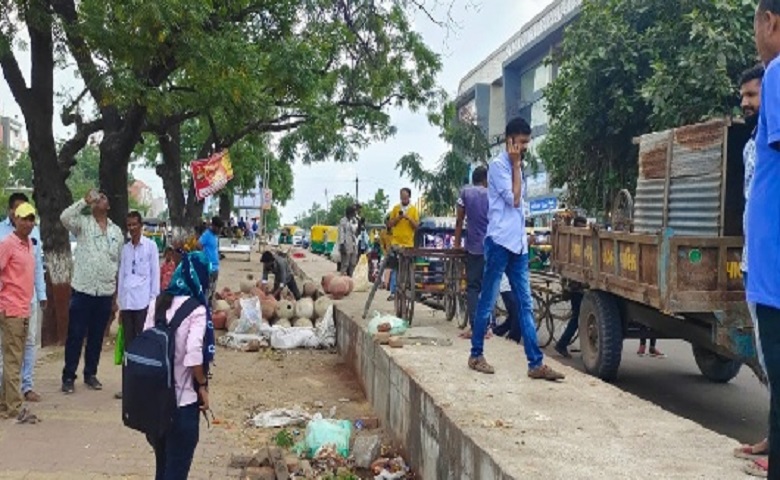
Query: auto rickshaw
[323, 239]
[155, 230]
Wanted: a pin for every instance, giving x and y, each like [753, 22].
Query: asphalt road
[738, 409]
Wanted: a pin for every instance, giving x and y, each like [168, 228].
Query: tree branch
[66, 9]
[66, 158]
[13, 75]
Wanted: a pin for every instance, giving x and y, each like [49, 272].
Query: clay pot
[232, 324]
[304, 308]
[326, 281]
[283, 322]
[268, 308]
[303, 322]
[339, 288]
[350, 284]
[247, 284]
[221, 306]
[285, 309]
[321, 306]
[309, 289]
[219, 319]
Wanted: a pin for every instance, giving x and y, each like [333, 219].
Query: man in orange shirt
[17, 283]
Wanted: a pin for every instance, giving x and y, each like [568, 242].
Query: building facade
[510, 83]
[12, 135]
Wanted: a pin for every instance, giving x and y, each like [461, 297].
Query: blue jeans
[393, 280]
[769, 331]
[499, 260]
[574, 321]
[30, 348]
[173, 453]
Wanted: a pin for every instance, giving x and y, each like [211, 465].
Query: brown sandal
[479, 364]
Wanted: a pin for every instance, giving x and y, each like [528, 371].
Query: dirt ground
[248, 383]
[92, 443]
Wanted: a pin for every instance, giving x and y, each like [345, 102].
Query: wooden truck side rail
[672, 274]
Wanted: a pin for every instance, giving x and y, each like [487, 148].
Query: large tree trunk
[225, 205]
[120, 136]
[185, 213]
[50, 193]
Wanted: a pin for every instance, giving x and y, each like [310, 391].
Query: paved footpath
[82, 437]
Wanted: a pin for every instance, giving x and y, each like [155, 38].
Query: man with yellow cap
[17, 280]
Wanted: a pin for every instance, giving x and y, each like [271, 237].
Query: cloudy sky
[480, 27]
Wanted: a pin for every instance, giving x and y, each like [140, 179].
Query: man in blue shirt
[39, 298]
[473, 207]
[209, 242]
[763, 217]
[506, 251]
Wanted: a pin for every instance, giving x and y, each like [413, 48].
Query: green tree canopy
[628, 67]
[373, 211]
[468, 146]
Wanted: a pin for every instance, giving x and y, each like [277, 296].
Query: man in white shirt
[138, 280]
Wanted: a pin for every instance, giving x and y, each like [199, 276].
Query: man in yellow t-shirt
[403, 222]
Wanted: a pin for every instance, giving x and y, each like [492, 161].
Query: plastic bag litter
[360, 276]
[251, 318]
[322, 432]
[239, 341]
[293, 337]
[326, 329]
[280, 417]
[335, 256]
[397, 325]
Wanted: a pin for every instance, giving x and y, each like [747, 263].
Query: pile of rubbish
[255, 319]
[329, 446]
[387, 330]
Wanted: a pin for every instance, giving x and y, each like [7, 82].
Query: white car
[297, 240]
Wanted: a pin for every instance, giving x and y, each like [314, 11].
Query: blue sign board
[543, 205]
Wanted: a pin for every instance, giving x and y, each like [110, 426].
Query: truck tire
[715, 368]
[601, 335]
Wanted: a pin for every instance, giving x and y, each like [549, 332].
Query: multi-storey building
[510, 82]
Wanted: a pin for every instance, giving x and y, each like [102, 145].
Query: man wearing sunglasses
[138, 283]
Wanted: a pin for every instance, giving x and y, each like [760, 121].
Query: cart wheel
[602, 335]
[541, 316]
[455, 309]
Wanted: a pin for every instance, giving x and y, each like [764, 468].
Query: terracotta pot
[221, 306]
[309, 289]
[350, 284]
[219, 319]
[326, 281]
[339, 288]
[268, 308]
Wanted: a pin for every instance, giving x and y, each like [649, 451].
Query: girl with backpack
[193, 351]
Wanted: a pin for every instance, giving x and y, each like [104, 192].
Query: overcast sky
[481, 26]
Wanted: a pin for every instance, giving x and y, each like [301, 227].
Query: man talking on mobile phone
[506, 251]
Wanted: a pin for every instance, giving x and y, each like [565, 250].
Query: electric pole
[357, 182]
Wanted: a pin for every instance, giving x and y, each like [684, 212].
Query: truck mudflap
[734, 336]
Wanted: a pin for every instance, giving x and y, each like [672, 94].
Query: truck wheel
[715, 368]
[601, 335]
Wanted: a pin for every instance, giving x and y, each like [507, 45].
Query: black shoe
[93, 383]
[68, 387]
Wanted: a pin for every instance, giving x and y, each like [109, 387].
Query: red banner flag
[210, 175]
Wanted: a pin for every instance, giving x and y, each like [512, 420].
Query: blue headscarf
[191, 279]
